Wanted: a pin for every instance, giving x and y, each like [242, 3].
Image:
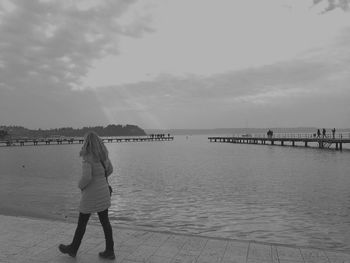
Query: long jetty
[80, 140]
[307, 140]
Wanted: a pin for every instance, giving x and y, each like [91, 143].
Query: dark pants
[81, 227]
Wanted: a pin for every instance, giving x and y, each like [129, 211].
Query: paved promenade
[36, 240]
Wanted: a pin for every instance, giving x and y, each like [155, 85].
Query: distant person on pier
[318, 133]
[95, 194]
[269, 134]
[333, 133]
[324, 132]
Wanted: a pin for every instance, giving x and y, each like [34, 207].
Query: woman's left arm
[109, 167]
[86, 176]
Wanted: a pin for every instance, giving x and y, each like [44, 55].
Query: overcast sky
[175, 63]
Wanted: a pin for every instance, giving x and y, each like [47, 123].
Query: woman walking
[95, 194]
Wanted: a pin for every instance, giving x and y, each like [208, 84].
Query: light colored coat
[95, 195]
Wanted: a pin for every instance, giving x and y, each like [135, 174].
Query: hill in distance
[110, 130]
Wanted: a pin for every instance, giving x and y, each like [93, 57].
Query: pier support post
[340, 146]
[282, 143]
[305, 144]
[293, 143]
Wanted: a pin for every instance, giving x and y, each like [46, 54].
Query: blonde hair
[93, 146]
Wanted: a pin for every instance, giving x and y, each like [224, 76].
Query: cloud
[333, 4]
[171, 90]
[51, 44]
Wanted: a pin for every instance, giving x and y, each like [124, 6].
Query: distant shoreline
[110, 130]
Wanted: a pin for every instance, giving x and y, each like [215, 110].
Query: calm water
[249, 192]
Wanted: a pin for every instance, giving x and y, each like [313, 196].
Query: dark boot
[107, 229]
[67, 249]
[72, 249]
[78, 236]
[107, 254]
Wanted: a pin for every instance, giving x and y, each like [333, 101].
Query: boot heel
[107, 254]
[67, 250]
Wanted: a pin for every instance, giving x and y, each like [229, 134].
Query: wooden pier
[79, 140]
[306, 140]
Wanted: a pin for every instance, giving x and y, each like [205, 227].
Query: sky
[166, 64]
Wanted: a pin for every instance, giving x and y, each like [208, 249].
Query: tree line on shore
[110, 130]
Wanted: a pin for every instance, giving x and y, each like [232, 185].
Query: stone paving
[36, 240]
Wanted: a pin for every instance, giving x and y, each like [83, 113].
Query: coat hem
[93, 210]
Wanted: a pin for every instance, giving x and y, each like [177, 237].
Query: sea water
[289, 195]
